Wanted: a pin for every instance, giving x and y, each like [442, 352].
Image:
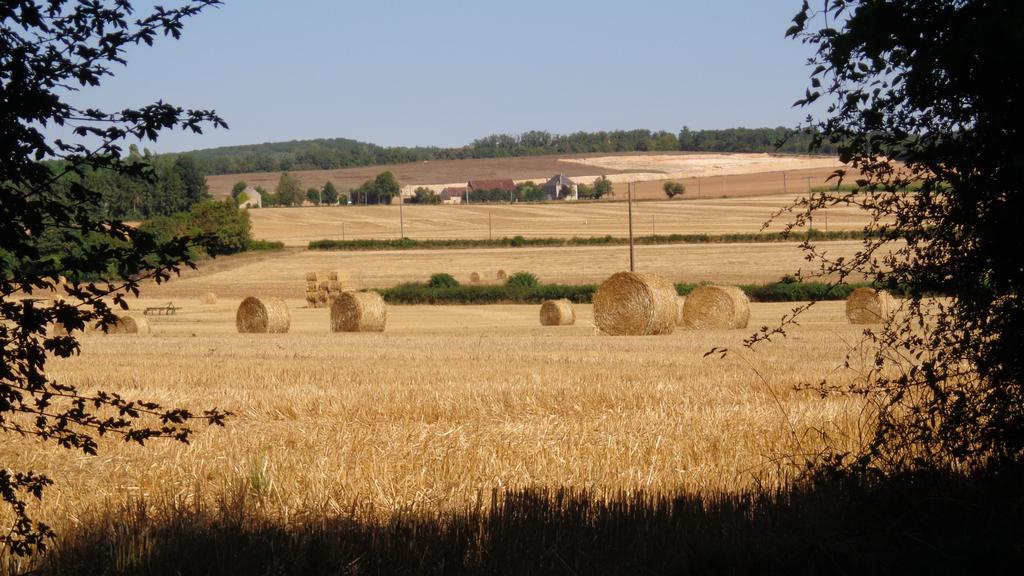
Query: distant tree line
[155, 185]
[324, 154]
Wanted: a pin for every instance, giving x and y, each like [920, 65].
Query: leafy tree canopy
[928, 92]
[48, 49]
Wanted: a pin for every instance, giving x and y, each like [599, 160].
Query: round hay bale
[557, 313]
[628, 303]
[501, 275]
[262, 315]
[474, 278]
[716, 307]
[679, 310]
[869, 306]
[332, 275]
[208, 298]
[358, 312]
[311, 298]
[310, 276]
[129, 325]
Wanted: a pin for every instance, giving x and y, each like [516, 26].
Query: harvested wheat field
[449, 403]
[736, 174]
[280, 274]
[299, 226]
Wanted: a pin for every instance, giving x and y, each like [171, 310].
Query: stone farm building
[250, 198]
[485, 185]
[560, 187]
[453, 194]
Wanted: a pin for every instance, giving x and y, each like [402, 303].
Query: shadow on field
[934, 525]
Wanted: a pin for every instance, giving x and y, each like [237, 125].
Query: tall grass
[925, 525]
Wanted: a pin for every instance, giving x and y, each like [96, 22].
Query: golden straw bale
[334, 286]
[207, 298]
[501, 275]
[130, 325]
[557, 313]
[261, 315]
[868, 306]
[311, 286]
[311, 297]
[716, 307]
[629, 303]
[679, 310]
[310, 276]
[358, 312]
[332, 275]
[474, 278]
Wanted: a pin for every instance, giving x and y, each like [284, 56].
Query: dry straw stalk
[358, 312]
[263, 315]
[629, 303]
[557, 313]
[720, 307]
[868, 306]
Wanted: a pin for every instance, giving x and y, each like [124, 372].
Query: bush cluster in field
[520, 241]
[519, 290]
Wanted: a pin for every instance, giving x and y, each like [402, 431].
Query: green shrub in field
[522, 281]
[264, 245]
[420, 293]
[442, 280]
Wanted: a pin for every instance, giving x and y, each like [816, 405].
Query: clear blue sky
[443, 72]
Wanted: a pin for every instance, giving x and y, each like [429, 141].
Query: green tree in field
[238, 188]
[386, 187]
[602, 187]
[422, 195]
[288, 192]
[47, 51]
[312, 195]
[673, 189]
[927, 92]
[330, 193]
[192, 179]
[225, 229]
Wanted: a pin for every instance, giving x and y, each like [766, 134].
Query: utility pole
[785, 188]
[629, 201]
[698, 187]
[342, 231]
[401, 214]
[653, 230]
[489, 235]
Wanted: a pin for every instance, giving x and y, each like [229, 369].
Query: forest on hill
[326, 154]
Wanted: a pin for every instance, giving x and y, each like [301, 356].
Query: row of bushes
[520, 241]
[264, 245]
[425, 293]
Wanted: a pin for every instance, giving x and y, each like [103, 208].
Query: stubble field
[709, 175]
[452, 404]
[447, 404]
[298, 226]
